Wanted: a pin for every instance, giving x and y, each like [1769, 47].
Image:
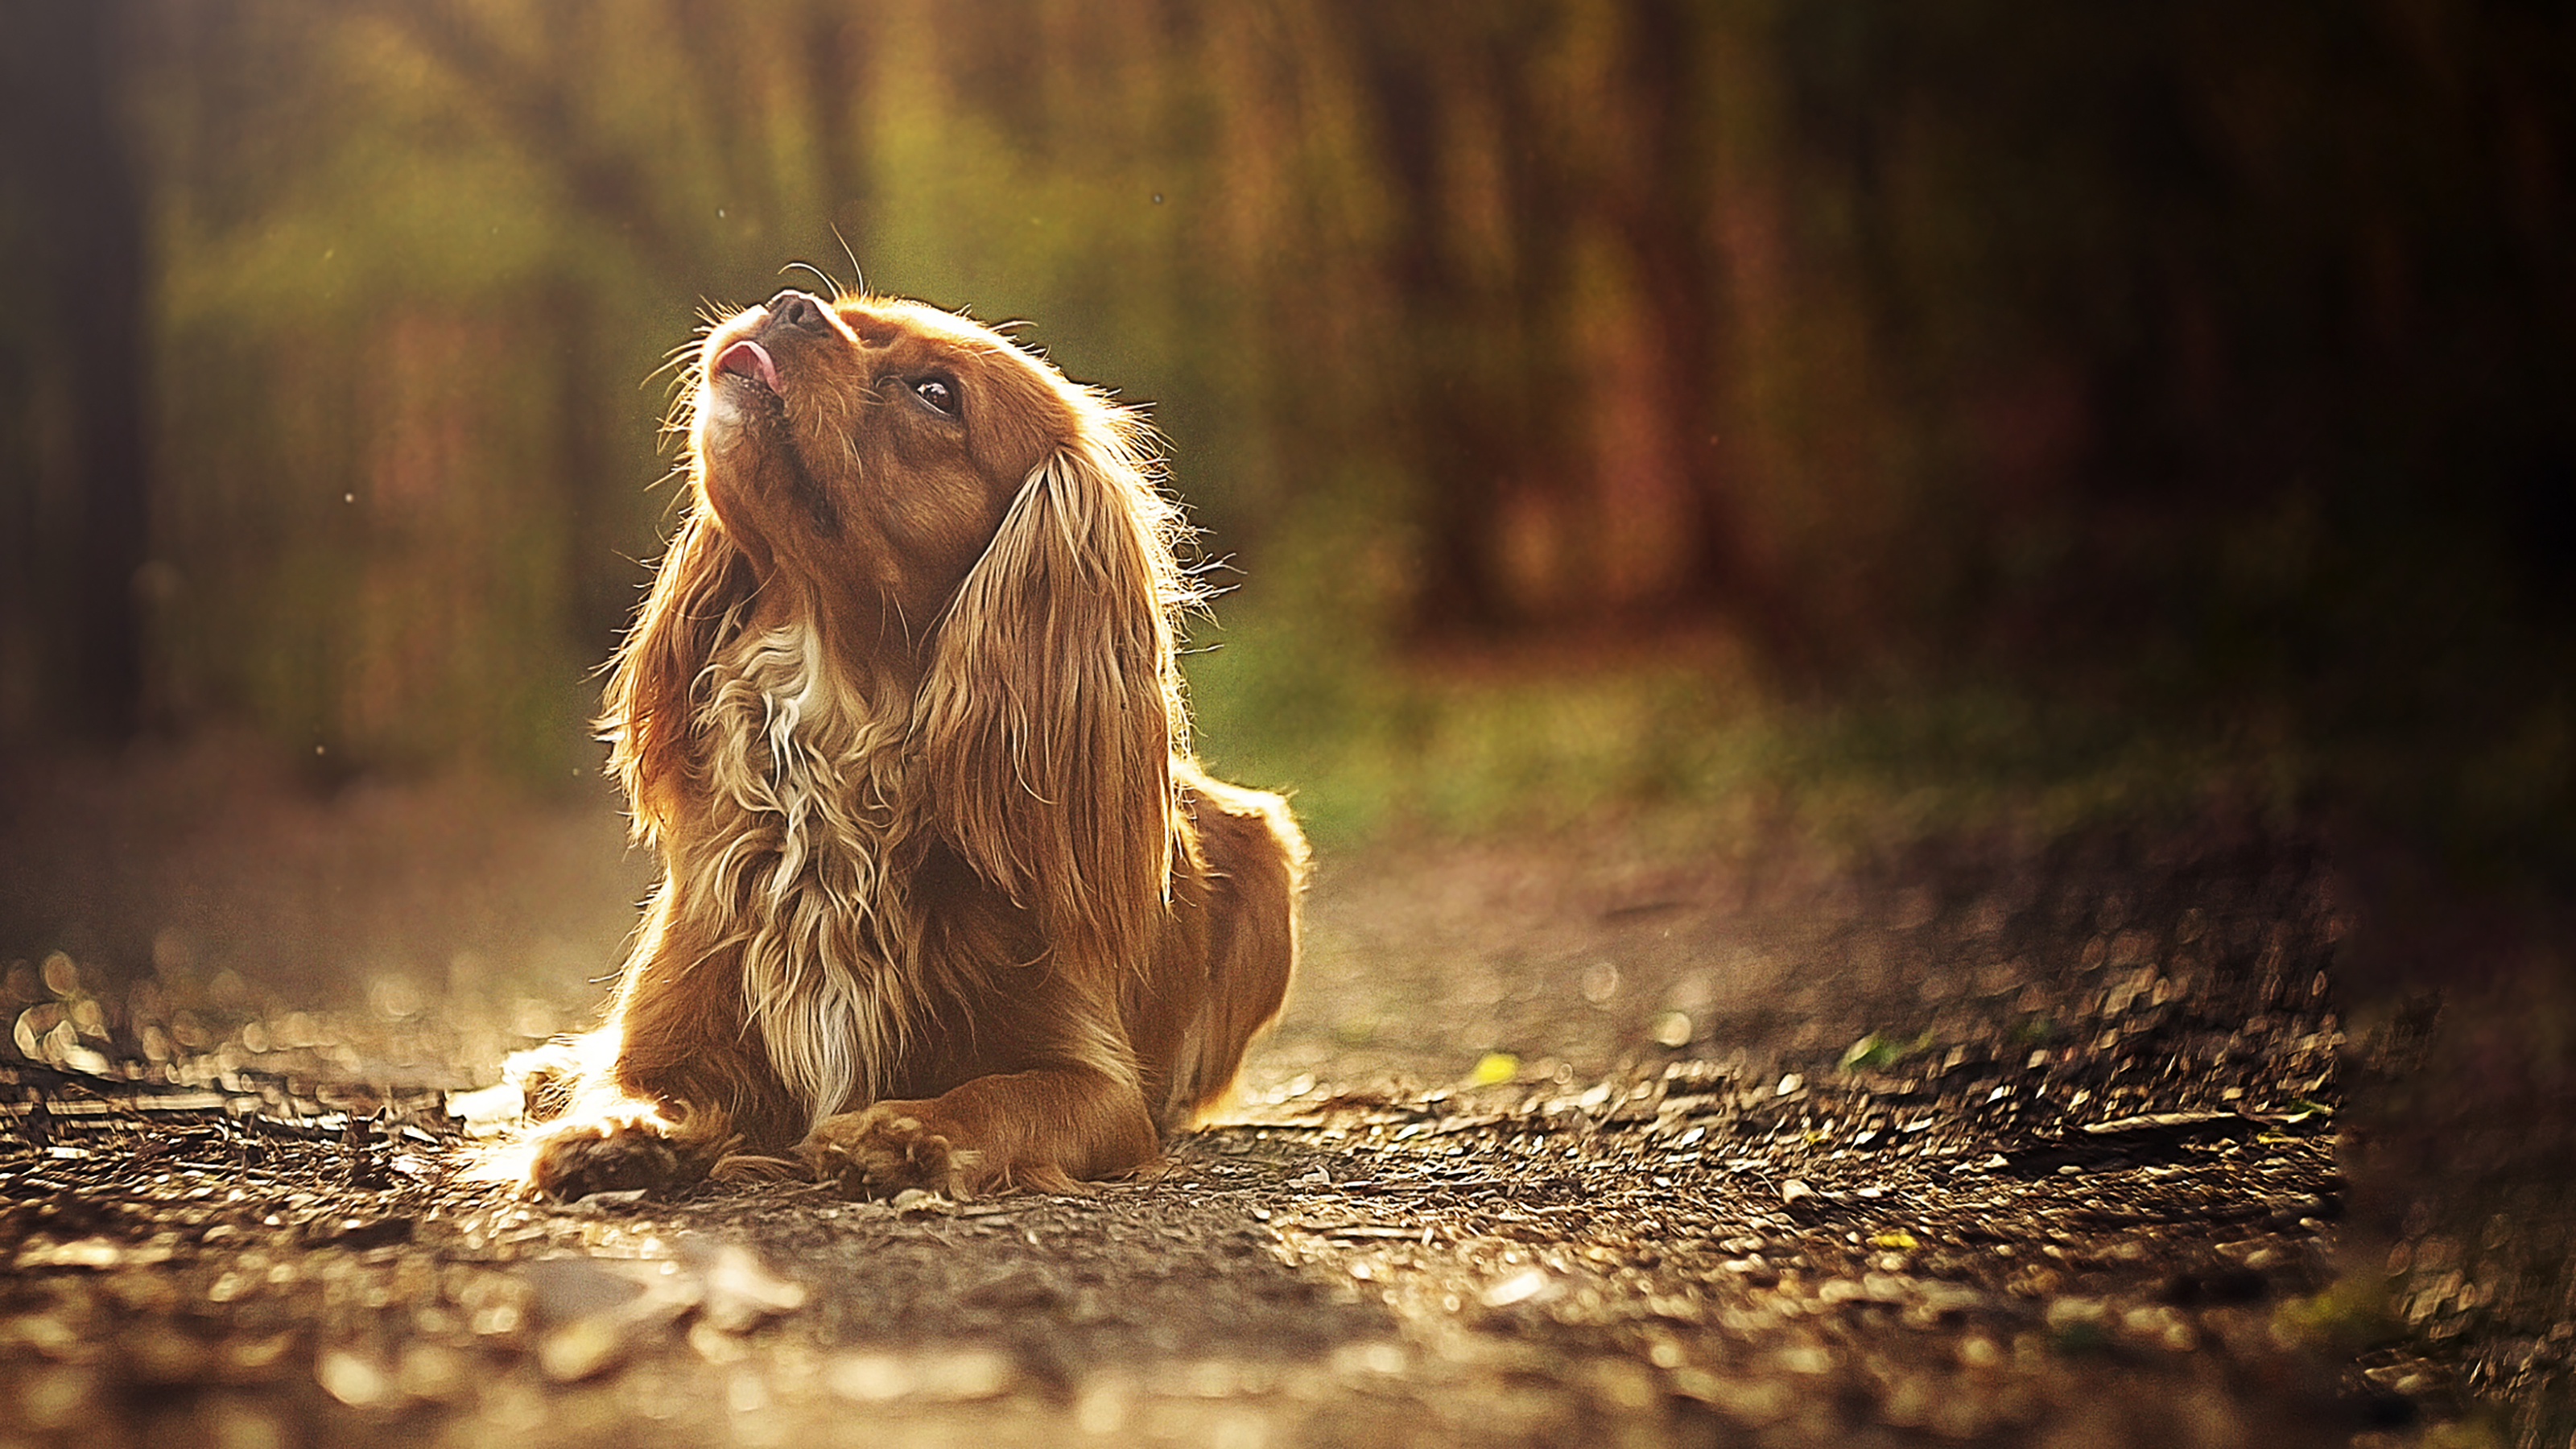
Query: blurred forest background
[1727, 408]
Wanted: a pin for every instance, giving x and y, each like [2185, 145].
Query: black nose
[801, 310]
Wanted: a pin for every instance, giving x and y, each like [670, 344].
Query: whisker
[680, 357]
[858, 274]
[819, 274]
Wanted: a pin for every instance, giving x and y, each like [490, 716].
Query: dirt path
[1596, 1142]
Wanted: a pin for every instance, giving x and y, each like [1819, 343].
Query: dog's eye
[937, 394]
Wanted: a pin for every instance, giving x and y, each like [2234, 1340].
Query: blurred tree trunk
[80, 224]
[1573, 348]
[1478, 223]
[600, 585]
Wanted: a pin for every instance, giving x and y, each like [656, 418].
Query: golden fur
[946, 903]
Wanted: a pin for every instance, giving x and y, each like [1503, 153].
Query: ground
[1616, 1137]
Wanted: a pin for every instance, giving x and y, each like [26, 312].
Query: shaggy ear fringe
[696, 601]
[1052, 707]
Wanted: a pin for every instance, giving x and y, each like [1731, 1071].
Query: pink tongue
[751, 360]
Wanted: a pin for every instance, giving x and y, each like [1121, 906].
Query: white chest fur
[805, 778]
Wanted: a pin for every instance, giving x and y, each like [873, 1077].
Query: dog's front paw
[577, 1162]
[885, 1149]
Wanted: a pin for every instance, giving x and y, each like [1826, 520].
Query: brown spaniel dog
[946, 903]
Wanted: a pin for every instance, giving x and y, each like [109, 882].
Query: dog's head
[958, 520]
[866, 452]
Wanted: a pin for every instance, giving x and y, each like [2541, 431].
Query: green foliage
[1687, 733]
[1879, 1050]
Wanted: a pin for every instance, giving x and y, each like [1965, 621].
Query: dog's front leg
[1044, 1128]
[628, 1145]
[669, 1086]
[634, 1129]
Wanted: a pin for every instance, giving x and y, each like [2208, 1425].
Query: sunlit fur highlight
[813, 775]
[945, 901]
[1043, 784]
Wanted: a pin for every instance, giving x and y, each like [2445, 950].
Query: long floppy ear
[696, 599]
[1051, 707]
